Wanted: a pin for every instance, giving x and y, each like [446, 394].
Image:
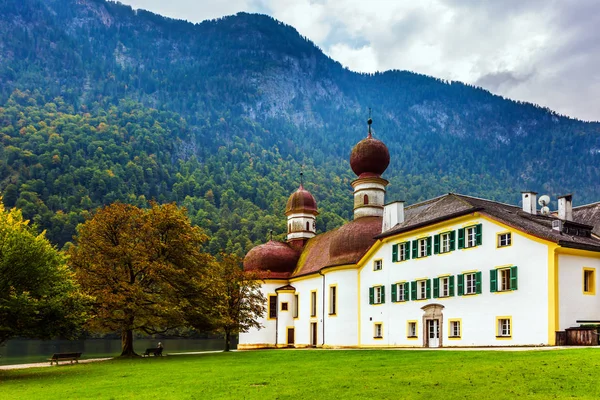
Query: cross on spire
[369, 121]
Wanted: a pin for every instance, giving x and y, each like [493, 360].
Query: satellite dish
[545, 210]
[544, 200]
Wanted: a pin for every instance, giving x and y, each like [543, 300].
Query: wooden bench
[56, 357]
[157, 351]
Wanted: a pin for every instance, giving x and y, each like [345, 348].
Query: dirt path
[47, 364]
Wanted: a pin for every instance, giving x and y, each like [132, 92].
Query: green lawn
[320, 374]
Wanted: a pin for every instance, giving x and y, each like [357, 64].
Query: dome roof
[273, 256]
[369, 157]
[301, 201]
[353, 239]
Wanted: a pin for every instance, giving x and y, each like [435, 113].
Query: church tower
[369, 159]
[301, 212]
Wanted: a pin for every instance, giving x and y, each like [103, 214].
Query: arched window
[314, 226]
[289, 228]
[307, 226]
[366, 199]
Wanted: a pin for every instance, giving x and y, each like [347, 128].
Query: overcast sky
[542, 51]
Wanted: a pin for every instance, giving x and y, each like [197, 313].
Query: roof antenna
[369, 121]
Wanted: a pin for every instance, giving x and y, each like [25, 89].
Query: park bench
[56, 357]
[157, 351]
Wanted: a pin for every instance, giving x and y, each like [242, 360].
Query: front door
[313, 333]
[433, 333]
[290, 336]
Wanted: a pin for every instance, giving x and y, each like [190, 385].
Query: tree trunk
[127, 343]
[227, 340]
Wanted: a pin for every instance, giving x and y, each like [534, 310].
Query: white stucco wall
[341, 329]
[302, 324]
[574, 305]
[527, 306]
[266, 336]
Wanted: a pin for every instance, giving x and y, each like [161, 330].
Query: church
[451, 271]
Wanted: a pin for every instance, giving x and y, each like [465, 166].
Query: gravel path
[47, 364]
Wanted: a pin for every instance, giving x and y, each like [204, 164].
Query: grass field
[317, 374]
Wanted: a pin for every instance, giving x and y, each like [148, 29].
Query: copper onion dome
[301, 201]
[272, 256]
[370, 157]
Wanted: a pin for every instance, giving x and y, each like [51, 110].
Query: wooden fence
[580, 336]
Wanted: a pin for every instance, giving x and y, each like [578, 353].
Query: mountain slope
[255, 101]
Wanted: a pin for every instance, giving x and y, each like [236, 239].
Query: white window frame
[377, 265]
[402, 251]
[378, 331]
[411, 329]
[313, 303]
[296, 306]
[444, 286]
[333, 300]
[470, 236]
[504, 279]
[445, 242]
[422, 289]
[470, 283]
[455, 329]
[377, 294]
[400, 292]
[504, 327]
[504, 239]
[422, 249]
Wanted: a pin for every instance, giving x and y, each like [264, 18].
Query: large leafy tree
[142, 267]
[38, 294]
[239, 303]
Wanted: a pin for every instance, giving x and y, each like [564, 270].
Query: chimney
[565, 207]
[393, 214]
[530, 202]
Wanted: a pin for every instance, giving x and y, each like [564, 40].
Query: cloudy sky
[542, 51]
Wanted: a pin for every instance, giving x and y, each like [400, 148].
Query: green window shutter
[461, 238]
[428, 288]
[382, 294]
[413, 290]
[436, 288]
[406, 291]
[371, 295]
[478, 282]
[407, 251]
[395, 253]
[394, 293]
[451, 286]
[429, 246]
[436, 244]
[452, 240]
[478, 234]
[461, 284]
[415, 244]
[513, 278]
[493, 280]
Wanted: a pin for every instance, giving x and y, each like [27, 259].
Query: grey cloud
[495, 81]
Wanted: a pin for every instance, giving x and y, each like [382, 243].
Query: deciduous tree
[38, 294]
[142, 267]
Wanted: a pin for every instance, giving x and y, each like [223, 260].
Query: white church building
[451, 271]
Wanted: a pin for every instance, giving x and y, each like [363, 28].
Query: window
[377, 265]
[444, 242]
[411, 329]
[443, 286]
[272, 306]
[504, 328]
[332, 300]
[296, 306]
[469, 236]
[589, 281]
[313, 303]
[469, 283]
[284, 306]
[400, 292]
[503, 279]
[378, 331]
[420, 289]
[365, 199]
[421, 247]
[289, 228]
[504, 239]
[307, 226]
[454, 329]
[377, 295]
[401, 252]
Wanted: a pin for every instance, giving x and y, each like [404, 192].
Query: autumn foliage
[143, 268]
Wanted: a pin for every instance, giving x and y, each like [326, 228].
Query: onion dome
[353, 239]
[301, 201]
[370, 157]
[273, 256]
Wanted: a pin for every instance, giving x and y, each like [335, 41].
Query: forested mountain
[100, 103]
